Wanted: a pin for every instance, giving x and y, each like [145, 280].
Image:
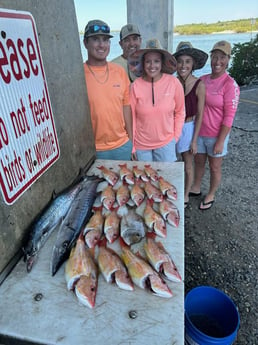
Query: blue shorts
[166, 153]
[184, 142]
[206, 145]
[122, 153]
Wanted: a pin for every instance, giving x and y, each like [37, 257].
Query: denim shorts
[206, 145]
[184, 142]
[122, 153]
[166, 153]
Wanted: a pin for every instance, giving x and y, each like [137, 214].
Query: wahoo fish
[113, 268]
[79, 214]
[110, 176]
[154, 221]
[160, 260]
[81, 274]
[167, 188]
[143, 275]
[46, 222]
[132, 227]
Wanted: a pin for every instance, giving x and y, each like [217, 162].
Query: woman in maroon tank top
[188, 60]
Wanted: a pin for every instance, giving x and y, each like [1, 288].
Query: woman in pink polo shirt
[157, 102]
[221, 101]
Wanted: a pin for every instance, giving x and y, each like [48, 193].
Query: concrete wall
[60, 49]
[154, 18]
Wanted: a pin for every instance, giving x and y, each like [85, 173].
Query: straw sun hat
[136, 59]
[199, 56]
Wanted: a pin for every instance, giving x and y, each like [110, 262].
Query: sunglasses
[98, 28]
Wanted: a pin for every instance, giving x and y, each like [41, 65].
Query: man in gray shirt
[130, 41]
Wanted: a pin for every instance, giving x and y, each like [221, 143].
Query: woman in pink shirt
[157, 102]
[221, 101]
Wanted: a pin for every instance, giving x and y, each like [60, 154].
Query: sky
[185, 11]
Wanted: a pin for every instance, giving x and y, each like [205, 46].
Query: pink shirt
[156, 125]
[221, 101]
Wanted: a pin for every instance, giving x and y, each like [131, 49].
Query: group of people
[141, 111]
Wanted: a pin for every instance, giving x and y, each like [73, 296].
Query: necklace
[105, 75]
[183, 81]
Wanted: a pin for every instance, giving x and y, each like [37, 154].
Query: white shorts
[184, 142]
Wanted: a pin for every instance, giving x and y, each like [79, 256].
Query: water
[203, 42]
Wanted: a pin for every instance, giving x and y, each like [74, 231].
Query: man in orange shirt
[108, 93]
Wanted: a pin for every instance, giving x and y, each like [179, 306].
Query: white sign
[28, 140]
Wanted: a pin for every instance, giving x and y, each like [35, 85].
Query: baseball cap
[129, 29]
[223, 46]
[97, 27]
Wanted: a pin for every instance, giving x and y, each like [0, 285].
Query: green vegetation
[237, 26]
[244, 68]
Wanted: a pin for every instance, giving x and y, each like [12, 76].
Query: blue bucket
[210, 317]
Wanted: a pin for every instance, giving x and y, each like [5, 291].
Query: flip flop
[194, 194]
[209, 204]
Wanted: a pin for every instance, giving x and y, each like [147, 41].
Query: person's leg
[215, 179]
[199, 170]
[188, 160]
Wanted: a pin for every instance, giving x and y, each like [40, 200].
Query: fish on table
[47, 221]
[81, 273]
[151, 173]
[126, 174]
[110, 176]
[132, 227]
[122, 194]
[169, 212]
[160, 260]
[137, 194]
[143, 275]
[93, 230]
[167, 188]
[108, 197]
[77, 216]
[113, 268]
[139, 173]
[153, 192]
[112, 226]
[154, 220]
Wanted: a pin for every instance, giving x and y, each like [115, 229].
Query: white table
[58, 318]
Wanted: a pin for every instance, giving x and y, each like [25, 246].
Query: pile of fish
[128, 207]
[134, 206]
